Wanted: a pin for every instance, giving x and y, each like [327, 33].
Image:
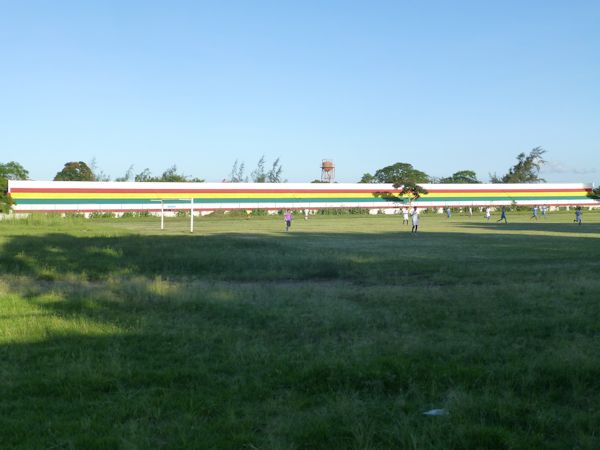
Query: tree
[400, 175]
[237, 173]
[367, 178]
[396, 173]
[75, 171]
[10, 171]
[128, 175]
[411, 188]
[144, 176]
[274, 175]
[171, 175]
[526, 170]
[168, 176]
[461, 177]
[259, 175]
[99, 175]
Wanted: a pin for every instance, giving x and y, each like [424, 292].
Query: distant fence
[80, 196]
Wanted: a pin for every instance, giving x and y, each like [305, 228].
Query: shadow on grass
[536, 226]
[302, 256]
[230, 341]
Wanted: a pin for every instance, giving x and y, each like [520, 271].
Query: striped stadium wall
[80, 196]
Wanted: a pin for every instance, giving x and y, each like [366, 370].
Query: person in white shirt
[404, 216]
[415, 220]
[534, 212]
[488, 213]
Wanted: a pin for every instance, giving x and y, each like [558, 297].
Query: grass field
[339, 334]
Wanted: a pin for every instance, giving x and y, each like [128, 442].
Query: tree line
[527, 170]
[401, 175]
[81, 171]
[405, 176]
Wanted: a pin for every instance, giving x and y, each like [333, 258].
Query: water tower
[327, 171]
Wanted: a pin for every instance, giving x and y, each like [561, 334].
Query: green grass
[339, 334]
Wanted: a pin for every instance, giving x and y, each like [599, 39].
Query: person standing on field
[404, 216]
[503, 215]
[288, 219]
[535, 213]
[578, 215]
[449, 212]
[488, 213]
[415, 220]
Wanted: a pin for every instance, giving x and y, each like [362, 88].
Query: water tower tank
[327, 171]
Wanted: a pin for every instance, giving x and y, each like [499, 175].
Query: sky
[442, 85]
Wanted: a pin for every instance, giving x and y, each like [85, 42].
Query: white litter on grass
[436, 412]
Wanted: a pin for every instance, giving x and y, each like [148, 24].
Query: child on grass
[288, 219]
[578, 215]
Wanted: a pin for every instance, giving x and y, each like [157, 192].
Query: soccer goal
[168, 205]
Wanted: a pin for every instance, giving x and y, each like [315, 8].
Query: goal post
[162, 211]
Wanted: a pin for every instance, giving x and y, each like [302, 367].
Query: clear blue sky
[443, 85]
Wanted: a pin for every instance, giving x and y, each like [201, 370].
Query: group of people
[543, 209]
[414, 215]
